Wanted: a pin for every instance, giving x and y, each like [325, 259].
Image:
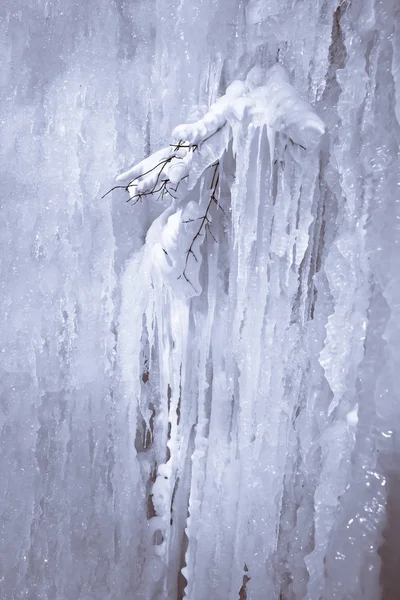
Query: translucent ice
[199, 386]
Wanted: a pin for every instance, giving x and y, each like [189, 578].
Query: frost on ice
[198, 386]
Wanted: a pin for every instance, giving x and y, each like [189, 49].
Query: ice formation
[199, 385]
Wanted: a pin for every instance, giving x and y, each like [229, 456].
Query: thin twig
[131, 183]
[116, 187]
[181, 145]
[162, 189]
[295, 144]
[205, 223]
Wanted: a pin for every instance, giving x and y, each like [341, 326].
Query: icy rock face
[222, 423]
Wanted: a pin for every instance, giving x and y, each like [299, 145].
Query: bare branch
[116, 187]
[205, 222]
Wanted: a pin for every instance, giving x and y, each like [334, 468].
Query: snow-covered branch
[268, 100]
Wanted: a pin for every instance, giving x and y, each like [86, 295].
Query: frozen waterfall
[198, 369]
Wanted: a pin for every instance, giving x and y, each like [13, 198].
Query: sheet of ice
[234, 434]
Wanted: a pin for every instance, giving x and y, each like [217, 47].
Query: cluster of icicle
[266, 99]
[156, 295]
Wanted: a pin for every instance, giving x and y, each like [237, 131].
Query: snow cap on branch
[278, 105]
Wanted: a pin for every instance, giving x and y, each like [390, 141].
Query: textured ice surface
[242, 443]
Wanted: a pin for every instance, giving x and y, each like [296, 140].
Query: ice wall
[242, 443]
